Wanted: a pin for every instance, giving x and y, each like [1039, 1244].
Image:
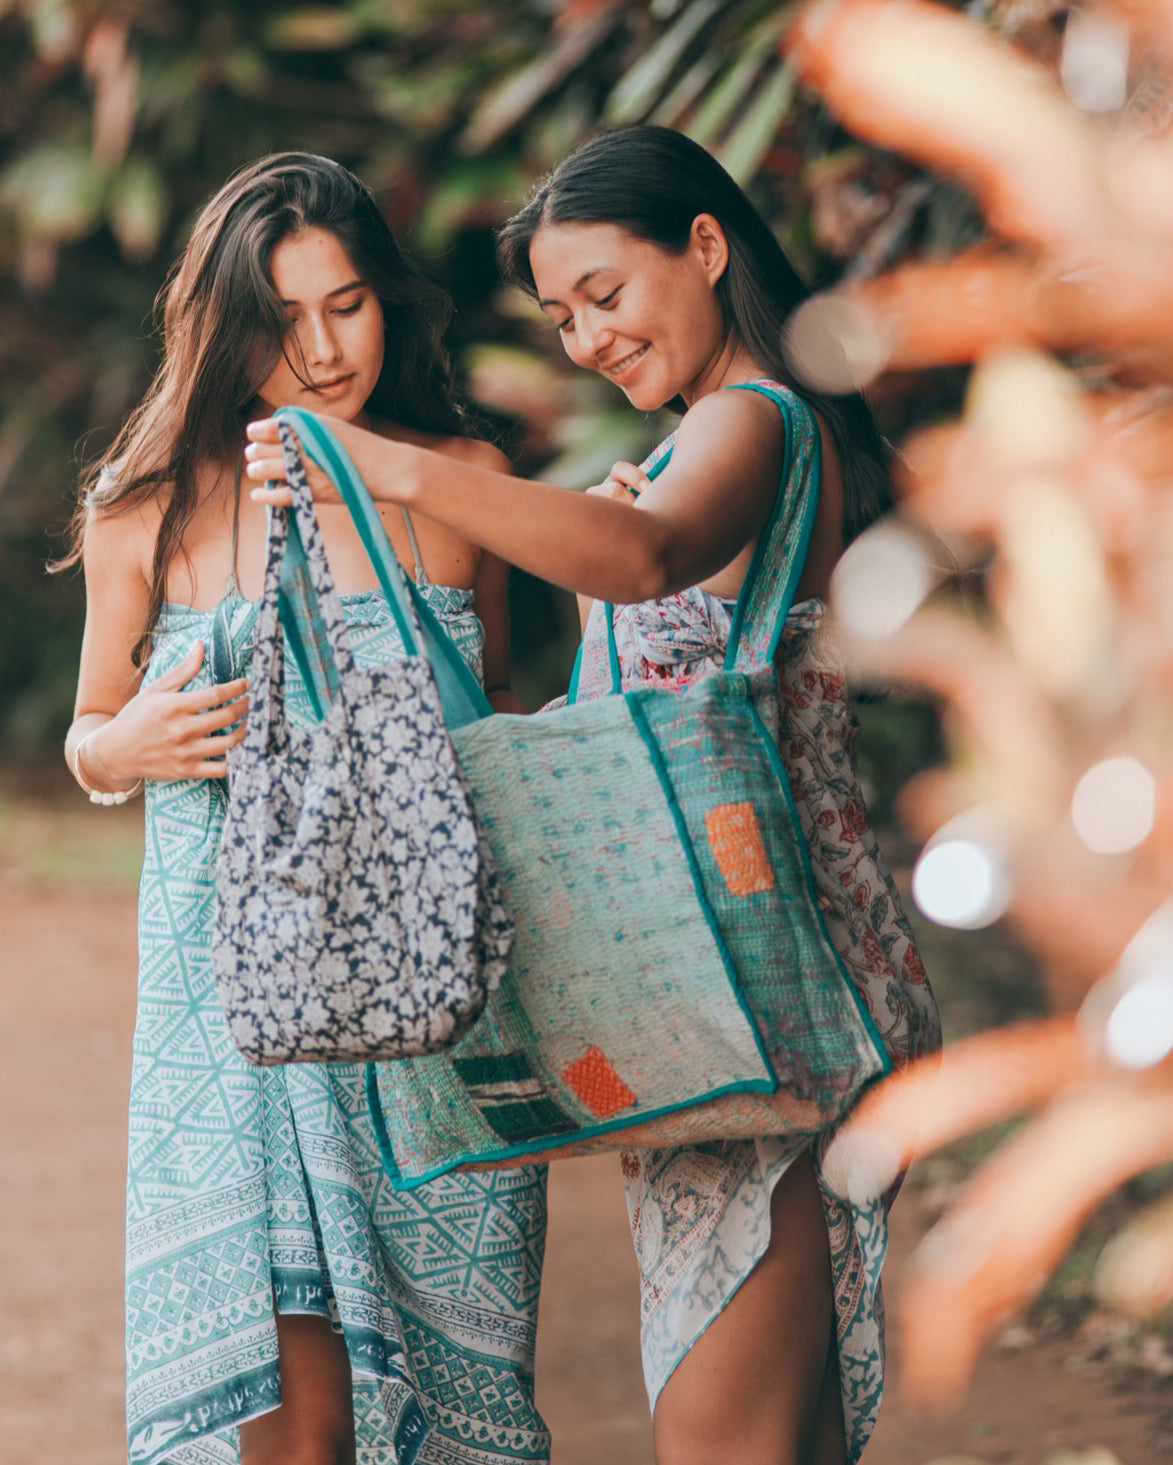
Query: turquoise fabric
[669, 947]
[247, 1186]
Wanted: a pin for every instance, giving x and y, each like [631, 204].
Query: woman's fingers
[279, 498]
[265, 464]
[217, 718]
[180, 674]
[201, 698]
[211, 748]
[629, 476]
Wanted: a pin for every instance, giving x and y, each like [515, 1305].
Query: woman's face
[334, 350]
[645, 319]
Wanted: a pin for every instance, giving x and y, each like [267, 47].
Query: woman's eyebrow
[341, 290]
[579, 283]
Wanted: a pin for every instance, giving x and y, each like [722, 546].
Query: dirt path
[66, 1003]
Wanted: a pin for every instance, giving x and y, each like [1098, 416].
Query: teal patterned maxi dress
[248, 1185]
[700, 1214]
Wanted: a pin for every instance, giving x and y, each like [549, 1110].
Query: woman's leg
[315, 1423]
[760, 1386]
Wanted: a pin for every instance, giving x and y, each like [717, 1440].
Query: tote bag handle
[764, 601]
[420, 629]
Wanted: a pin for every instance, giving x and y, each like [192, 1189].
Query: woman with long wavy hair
[284, 1305]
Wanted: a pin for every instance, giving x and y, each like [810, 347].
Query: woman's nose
[321, 347]
[590, 338]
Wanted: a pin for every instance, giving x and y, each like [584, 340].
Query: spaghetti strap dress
[700, 1215]
[252, 1189]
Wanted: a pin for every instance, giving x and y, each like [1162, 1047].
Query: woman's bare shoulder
[464, 449]
[475, 451]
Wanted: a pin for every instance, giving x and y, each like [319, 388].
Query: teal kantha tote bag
[671, 979]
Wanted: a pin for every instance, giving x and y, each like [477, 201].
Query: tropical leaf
[637, 93]
[137, 207]
[752, 138]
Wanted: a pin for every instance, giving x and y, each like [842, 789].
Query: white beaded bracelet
[97, 796]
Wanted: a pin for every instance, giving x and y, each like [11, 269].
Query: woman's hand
[625, 483]
[264, 463]
[384, 464]
[165, 733]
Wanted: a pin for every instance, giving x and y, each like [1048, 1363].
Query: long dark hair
[224, 330]
[653, 182]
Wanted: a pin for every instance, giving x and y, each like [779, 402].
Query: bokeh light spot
[961, 879]
[880, 580]
[1139, 1030]
[1114, 805]
[834, 345]
[1094, 69]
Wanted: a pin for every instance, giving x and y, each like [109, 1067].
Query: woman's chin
[645, 400]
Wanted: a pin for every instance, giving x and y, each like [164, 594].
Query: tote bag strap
[296, 574]
[420, 629]
[767, 592]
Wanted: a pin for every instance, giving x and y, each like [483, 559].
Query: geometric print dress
[700, 1214]
[250, 1185]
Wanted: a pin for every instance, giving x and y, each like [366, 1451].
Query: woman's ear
[711, 246]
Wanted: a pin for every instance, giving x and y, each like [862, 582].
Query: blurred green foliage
[118, 119]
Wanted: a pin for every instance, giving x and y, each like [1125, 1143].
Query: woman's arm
[122, 732]
[491, 597]
[707, 505]
[491, 588]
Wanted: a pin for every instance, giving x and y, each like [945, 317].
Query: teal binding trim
[657, 758]
[612, 648]
[463, 698]
[379, 1125]
[609, 612]
[572, 693]
[553, 1142]
[329, 454]
[808, 870]
[797, 560]
[318, 670]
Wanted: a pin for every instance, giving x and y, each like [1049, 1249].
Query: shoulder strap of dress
[233, 586]
[768, 590]
[421, 575]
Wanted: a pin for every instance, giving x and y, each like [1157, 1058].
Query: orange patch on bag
[594, 1080]
[735, 838]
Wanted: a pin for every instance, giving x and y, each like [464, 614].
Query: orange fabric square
[735, 838]
[594, 1080]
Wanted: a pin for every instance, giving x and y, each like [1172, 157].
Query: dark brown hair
[224, 330]
[653, 182]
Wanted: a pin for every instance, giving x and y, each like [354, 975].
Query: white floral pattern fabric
[359, 915]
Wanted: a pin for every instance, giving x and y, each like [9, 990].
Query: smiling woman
[283, 1303]
[634, 295]
[762, 1318]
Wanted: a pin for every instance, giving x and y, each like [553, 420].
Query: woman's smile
[617, 370]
